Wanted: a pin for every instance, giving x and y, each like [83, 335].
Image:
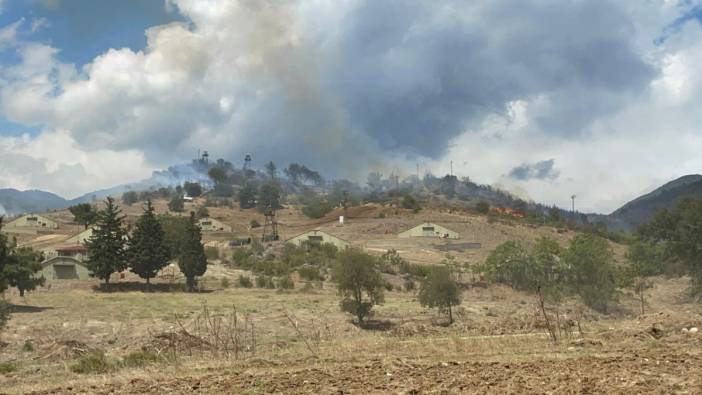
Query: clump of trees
[317, 207]
[299, 174]
[247, 195]
[409, 202]
[586, 269]
[192, 189]
[154, 242]
[677, 236]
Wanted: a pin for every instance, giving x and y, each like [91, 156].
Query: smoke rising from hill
[336, 83]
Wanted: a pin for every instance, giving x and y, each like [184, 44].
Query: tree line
[150, 247]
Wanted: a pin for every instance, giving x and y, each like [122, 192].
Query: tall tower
[270, 227]
[248, 173]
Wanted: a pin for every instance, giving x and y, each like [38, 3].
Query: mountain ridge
[642, 209]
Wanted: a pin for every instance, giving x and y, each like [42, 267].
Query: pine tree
[192, 260]
[106, 245]
[18, 266]
[21, 270]
[147, 250]
[5, 248]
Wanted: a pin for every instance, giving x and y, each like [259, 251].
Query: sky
[543, 98]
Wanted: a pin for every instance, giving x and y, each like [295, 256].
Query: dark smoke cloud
[543, 170]
[413, 77]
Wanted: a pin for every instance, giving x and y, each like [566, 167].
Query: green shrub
[264, 282]
[4, 314]
[310, 273]
[140, 358]
[410, 285]
[388, 286]
[317, 207]
[482, 207]
[409, 202]
[271, 267]
[92, 363]
[224, 282]
[286, 283]
[413, 269]
[307, 288]
[381, 215]
[27, 346]
[212, 253]
[7, 367]
[242, 259]
[244, 282]
[255, 224]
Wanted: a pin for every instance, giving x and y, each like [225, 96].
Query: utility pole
[572, 198]
[451, 168]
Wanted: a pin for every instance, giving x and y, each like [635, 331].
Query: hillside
[13, 201]
[643, 208]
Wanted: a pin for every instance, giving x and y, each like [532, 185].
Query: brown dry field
[304, 344]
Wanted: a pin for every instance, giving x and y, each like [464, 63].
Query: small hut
[318, 237]
[429, 229]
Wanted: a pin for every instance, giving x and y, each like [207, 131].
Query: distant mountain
[643, 209]
[14, 202]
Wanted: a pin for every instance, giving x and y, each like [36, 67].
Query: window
[315, 239]
[427, 229]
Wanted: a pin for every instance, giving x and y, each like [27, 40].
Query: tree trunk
[450, 315]
[107, 279]
[190, 283]
[21, 291]
[148, 284]
[548, 322]
[641, 296]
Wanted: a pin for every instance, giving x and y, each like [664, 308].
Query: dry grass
[302, 329]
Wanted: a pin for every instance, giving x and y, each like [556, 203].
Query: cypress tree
[192, 260]
[106, 246]
[147, 249]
